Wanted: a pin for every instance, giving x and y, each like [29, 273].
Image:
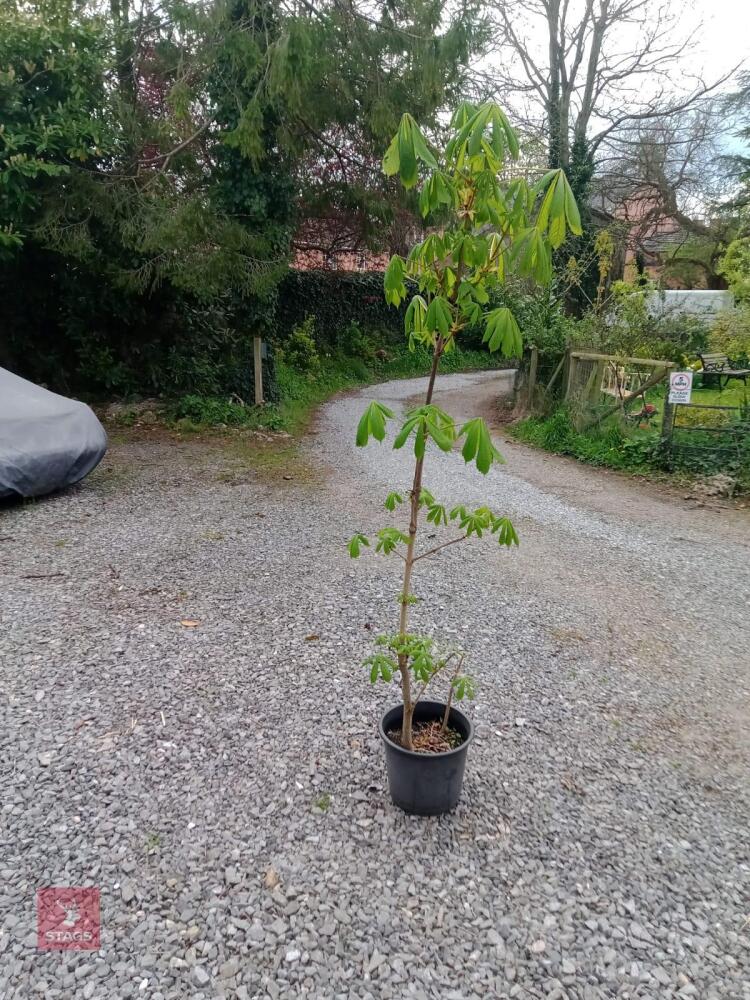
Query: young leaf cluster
[426, 423]
[498, 228]
[423, 659]
[477, 522]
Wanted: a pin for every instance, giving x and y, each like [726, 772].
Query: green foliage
[478, 445]
[372, 423]
[627, 327]
[484, 231]
[211, 411]
[300, 350]
[735, 266]
[495, 231]
[476, 522]
[389, 539]
[53, 108]
[151, 171]
[611, 445]
[502, 332]
[425, 660]
[730, 335]
[347, 307]
[356, 543]
[424, 422]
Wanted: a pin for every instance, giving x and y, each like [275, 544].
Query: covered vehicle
[46, 441]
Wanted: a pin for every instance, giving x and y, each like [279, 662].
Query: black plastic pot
[425, 784]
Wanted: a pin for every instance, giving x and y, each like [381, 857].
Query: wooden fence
[589, 379]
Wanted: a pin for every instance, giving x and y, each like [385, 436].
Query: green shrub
[202, 411]
[300, 351]
[730, 335]
[612, 444]
[337, 299]
[359, 369]
[628, 328]
[352, 341]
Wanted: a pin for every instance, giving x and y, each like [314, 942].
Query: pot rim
[461, 748]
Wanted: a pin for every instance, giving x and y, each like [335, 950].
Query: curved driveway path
[184, 723]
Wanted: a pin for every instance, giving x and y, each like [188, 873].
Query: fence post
[556, 372]
[595, 384]
[667, 426]
[258, 365]
[569, 375]
[533, 365]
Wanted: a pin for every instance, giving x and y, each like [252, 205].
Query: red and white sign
[680, 387]
[68, 919]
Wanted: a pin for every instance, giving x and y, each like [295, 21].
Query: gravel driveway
[222, 782]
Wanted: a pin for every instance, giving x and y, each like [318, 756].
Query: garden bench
[718, 366]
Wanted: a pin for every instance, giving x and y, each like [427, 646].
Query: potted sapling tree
[482, 229]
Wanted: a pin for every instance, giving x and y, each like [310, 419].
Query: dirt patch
[276, 462]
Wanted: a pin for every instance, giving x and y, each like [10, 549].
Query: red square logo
[67, 919]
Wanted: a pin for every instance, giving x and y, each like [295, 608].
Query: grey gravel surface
[223, 784]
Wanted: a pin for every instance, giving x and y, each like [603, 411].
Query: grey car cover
[46, 440]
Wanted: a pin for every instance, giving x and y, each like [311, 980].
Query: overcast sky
[726, 33]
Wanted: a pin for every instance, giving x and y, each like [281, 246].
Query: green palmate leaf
[372, 423]
[463, 687]
[393, 281]
[356, 543]
[431, 249]
[436, 514]
[474, 522]
[426, 498]
[406, 149]
[439, 316]
[381, 666]
[388, 539]
[533, 257]
[438, 191]
[392, 500]
[558, 209]
[502, 333]
[463, 113]
[557, 214]
[407, 155]
[414, 318]
[427, 421]
[478, 446]
[506, 533]
[471, 311]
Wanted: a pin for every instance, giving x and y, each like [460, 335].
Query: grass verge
[608, 446]
[300, 392]
[628, 449]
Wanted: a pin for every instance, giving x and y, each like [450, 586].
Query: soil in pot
[430, 737]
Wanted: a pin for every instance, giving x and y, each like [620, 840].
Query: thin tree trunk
[416, 489]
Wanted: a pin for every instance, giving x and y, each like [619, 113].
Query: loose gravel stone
[200, 977]
[605, 806]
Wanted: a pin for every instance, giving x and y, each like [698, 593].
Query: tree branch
[437, 548]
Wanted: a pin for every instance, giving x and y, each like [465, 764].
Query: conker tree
[485, 224]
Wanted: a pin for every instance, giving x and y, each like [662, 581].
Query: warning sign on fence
[680, 387]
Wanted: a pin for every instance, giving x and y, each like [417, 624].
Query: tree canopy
[156, 159]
